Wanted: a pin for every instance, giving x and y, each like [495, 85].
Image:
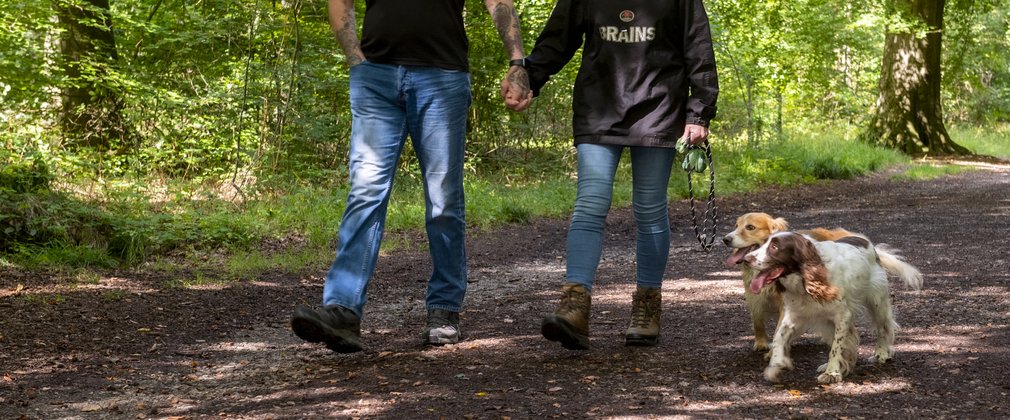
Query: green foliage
[781, 63]
[926, 172]
[32, 175]
[988, 140]
[803, 156]
[33, 215]
[976, 65]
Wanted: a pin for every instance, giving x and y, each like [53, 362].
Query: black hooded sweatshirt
[647, 68]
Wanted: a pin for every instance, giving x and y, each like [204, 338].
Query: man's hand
[695, 134]
[515, 89]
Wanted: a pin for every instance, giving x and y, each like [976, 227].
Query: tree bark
[90, 102]
[908, 115]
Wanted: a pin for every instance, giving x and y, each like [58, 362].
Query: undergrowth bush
[33, 215]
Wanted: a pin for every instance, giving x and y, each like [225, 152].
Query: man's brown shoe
[570, 323]
[338, 327]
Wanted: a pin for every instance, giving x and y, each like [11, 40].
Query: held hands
[515, 89]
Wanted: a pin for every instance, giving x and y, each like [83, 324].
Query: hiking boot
[337, 326]
[646, 307]
[442, 327]
[570, 323]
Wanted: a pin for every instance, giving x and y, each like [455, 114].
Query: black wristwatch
[521, 62]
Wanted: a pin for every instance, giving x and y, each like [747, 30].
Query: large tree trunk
[90, 101]
[908, 115]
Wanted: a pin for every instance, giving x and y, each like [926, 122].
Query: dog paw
[822, 368]
[772, 374]
[761, 346]
[829, 378]
[786, 363]
[881, 357]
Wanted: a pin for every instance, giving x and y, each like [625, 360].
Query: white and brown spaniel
[824, 287]
[752, 230]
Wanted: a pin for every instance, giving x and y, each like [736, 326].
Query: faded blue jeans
[650, 169]
[388, 103]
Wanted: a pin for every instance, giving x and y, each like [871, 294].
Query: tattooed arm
[515, 88]
[345, 28]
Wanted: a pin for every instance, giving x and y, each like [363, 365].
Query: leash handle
[711, 218]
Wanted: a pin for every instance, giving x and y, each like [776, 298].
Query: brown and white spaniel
[824, 287]
[752, 230]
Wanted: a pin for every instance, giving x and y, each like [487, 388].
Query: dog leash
[696, 159]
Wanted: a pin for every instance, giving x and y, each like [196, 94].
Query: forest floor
[135, 344]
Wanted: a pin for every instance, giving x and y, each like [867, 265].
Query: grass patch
[925, 172]
[247, 265]
[43, 298]
[197, 278]
[990, 141]
[115, 295]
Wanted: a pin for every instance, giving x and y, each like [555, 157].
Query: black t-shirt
[415, 33]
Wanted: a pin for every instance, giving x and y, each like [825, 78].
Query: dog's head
[752, 230]
[787, 253]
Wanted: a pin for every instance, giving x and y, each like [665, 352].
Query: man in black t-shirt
[408, 76]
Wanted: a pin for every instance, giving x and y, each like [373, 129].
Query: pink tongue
[738, 255]
[764, 278]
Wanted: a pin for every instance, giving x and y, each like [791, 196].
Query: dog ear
[815, 281]
[815, 273]
[779, 225]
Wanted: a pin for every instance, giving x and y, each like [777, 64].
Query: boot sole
[640, 341]
[555, 329]
[310, 330]
[434, 338]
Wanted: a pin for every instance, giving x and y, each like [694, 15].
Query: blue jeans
[388, 103]
[650, 169]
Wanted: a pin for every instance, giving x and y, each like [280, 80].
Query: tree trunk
[908, 115]
[90, 101]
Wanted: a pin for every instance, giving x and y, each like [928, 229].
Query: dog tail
[895, 265]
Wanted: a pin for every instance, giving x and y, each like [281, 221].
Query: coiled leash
[696, 159]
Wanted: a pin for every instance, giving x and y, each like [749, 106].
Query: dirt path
[132, 346]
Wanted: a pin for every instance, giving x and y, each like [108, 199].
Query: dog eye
[749, 227]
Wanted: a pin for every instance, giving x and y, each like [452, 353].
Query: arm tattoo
[344, 27]
[347, 36]
[519, 77]
[507, 23]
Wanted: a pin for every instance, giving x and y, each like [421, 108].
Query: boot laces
[644, 308]
[573, 301]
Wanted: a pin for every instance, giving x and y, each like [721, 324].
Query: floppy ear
[815, 274]
[779, 225]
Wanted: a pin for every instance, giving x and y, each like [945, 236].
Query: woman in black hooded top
[647, 78]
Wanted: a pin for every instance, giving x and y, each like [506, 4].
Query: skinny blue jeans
[388, 103]
[650, 169]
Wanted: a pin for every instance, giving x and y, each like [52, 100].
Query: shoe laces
[644, 308]
[574, 300]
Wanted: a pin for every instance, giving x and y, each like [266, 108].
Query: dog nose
[727, 240]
